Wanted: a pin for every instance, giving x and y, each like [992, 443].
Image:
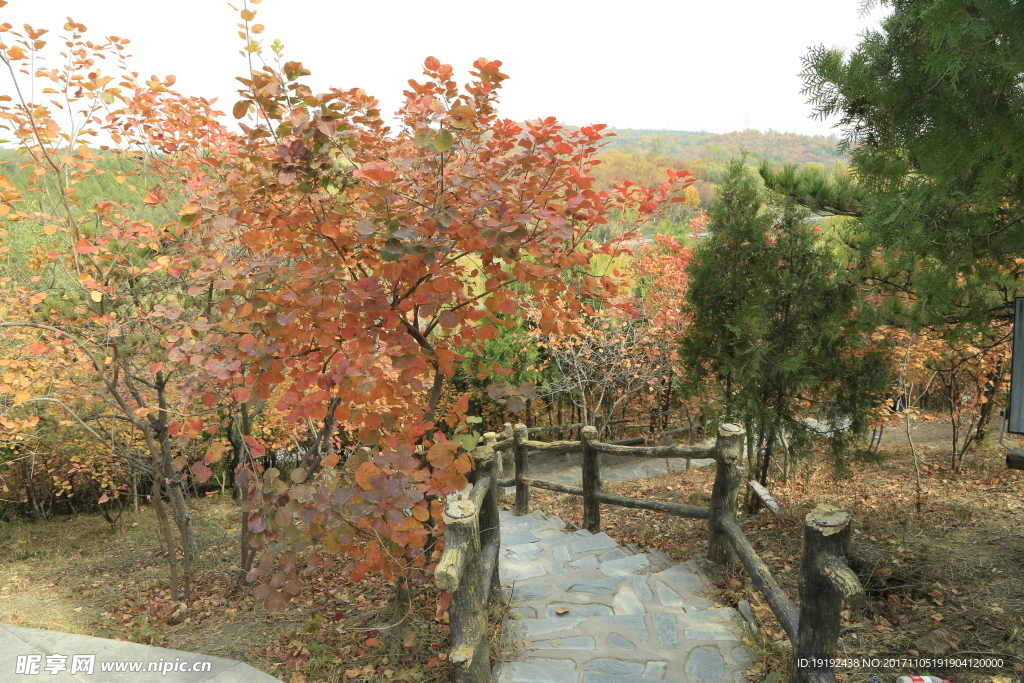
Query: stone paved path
[50, 656]
[566, 468]
[585, 610]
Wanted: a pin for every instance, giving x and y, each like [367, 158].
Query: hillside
[784, 148]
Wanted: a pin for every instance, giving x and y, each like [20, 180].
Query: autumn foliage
[315, 266]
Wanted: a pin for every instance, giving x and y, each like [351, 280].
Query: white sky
[662, 64]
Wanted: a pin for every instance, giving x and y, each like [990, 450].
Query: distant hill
[783, 148]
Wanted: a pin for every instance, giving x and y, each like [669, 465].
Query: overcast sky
[717, 66]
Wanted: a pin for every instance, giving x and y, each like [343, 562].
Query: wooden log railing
[826, 581]
[469, 566]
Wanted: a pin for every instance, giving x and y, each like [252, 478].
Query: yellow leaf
[21, 397]
[96, 296]
[248, 15]
[216, 451]
[49, 229]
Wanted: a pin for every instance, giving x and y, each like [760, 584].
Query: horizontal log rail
[678, 510]
[602, 423]
[677, 450]
[552, 486]
[762, 579]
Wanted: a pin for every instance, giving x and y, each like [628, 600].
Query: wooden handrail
[468, 567]
[827, 583]
[469, 564]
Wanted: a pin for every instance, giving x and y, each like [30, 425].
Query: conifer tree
[774, 322]
[930, 106]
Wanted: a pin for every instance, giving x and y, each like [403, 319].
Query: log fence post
[522, 465]
[826, 584]
[724, 493]
[591, 480]
[468, 609]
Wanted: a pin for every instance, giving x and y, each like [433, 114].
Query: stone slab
[625, 565]
[517, 537]
[589, 610]
[137, 663]
[705, 665]
[539, 627]
[614, 667]
[591, 586]
[567, 643]
[528, 672]
[601, 541]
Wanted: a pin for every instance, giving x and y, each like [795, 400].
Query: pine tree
[774, 322]
[931, 108]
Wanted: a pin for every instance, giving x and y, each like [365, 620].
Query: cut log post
[522, 465]
[826, 584]
[459, 571]
[724, 493]
[591, 480]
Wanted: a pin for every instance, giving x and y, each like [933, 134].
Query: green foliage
[930, 108]
[773, 320]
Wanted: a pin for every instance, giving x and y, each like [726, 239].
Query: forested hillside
[644, 156]
[783, 148]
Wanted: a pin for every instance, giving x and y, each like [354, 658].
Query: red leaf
[84, 247]
[201, 472]
[442, 605]
[257, 523]
[275, 600]
[376, 171]
[448, 319]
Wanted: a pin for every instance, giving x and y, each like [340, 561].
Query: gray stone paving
[28, 654]
[585, 610]
[565, 469]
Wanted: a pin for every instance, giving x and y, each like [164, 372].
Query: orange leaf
[376, 171]
[366, 472]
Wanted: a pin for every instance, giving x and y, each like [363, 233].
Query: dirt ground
[78, 575]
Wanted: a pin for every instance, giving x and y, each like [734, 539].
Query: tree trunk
[165, 531]
[26, 477]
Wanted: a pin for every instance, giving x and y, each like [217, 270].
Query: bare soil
[78, 575]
